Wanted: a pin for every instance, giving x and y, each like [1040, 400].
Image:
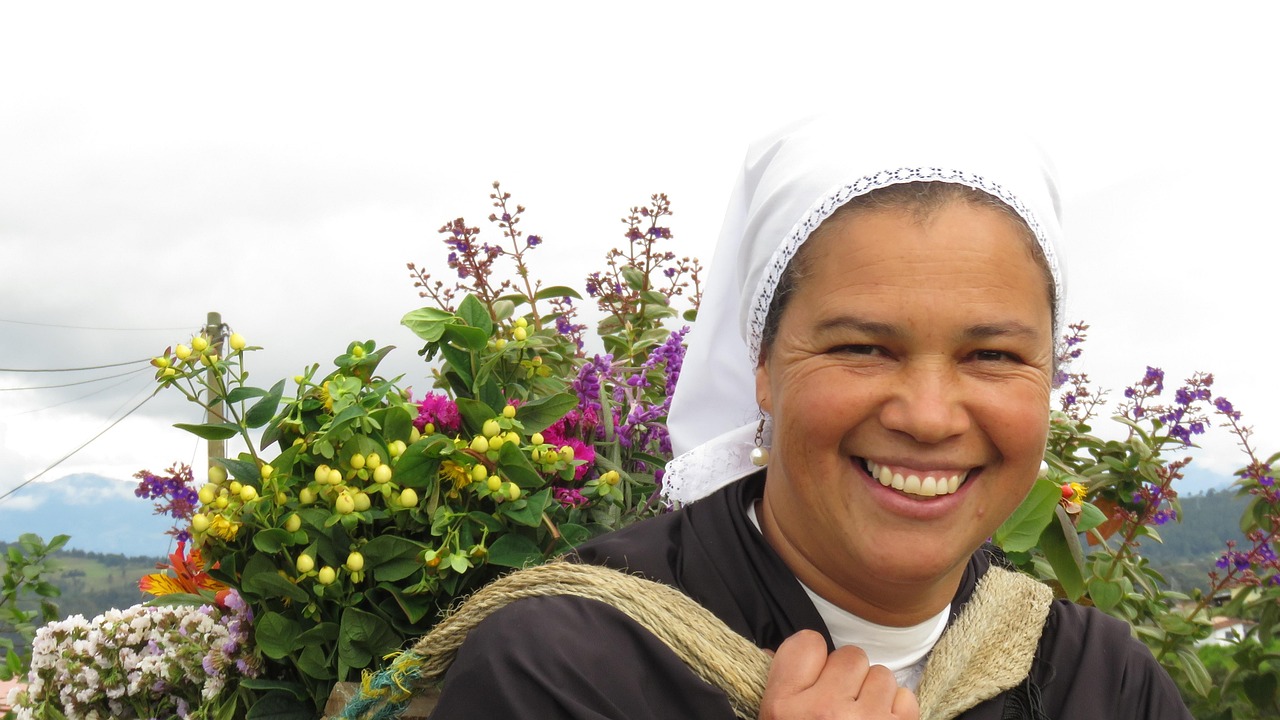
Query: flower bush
[142, 662]
[1082, 528]
[360, 512]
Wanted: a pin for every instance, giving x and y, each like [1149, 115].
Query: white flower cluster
[143, 662]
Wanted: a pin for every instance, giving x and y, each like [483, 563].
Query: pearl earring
[760, 453]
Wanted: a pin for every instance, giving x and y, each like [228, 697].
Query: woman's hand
[805, 682]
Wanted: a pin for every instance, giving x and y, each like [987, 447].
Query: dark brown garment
[568, 657]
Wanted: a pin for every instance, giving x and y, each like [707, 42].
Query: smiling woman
[878, 333]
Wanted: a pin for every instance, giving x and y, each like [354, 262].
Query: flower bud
[479, 472]
[182, 351]
[326, 576]
[293, 523]
[509, 411]
[355, 562]
[521, 322]
[248, 493]
[335, 476]
[306, 496]
[491, 428]
[208, 494]
[519, 334]
[480, 444]
[408, 498]
[344, 504]
[305, 563]
[217, 474]
[494, 483]
[356, 461]
[513, 492]
[235, 487]
[382, 474]
[199, 343]
[199, 522]
[362, 501]
[536, 439]
[236, 341]
[322, 474]
[373, 460]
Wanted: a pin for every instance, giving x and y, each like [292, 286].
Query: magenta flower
[440, 411]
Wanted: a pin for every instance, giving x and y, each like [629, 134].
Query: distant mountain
[100, 514]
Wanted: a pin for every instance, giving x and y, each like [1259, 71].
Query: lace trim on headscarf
[833, 201]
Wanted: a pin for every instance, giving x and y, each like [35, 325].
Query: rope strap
[996, 635]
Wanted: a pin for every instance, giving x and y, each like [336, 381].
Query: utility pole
[215, 330]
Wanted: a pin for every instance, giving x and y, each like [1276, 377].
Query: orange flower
[189, 575]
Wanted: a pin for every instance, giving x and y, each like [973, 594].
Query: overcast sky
[280, 163]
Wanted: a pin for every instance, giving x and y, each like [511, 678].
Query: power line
[65, 402]
[85, 444]
[90, 367]
[88, 327]
[70, 384]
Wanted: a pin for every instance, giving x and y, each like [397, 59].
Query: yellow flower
[1078, 491]
[325, 397]
[455, 474]
[222, 528]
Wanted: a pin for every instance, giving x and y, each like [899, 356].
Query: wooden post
[214, 329]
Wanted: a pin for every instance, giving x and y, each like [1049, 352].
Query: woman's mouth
[921, 483]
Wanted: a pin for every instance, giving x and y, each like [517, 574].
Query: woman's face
[909, 388]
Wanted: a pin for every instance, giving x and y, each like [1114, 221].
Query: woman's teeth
[912, 484]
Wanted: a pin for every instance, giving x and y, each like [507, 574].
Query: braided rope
[998, 631]
[718, 655]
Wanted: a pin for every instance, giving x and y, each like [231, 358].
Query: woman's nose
[926, 403]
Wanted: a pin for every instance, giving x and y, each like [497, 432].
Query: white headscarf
[790, 183]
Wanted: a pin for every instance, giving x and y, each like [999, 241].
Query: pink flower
[440, 411]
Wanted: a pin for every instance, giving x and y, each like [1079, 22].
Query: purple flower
[534, 241]
[569, 497]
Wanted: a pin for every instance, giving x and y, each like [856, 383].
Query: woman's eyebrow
[1003, 329]
[857, 324]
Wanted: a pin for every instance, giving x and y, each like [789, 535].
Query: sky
[280, 163]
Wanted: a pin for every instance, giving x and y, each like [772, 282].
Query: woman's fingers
[797, 664]
[805, 682]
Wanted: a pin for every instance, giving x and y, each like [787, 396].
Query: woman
[882, 316]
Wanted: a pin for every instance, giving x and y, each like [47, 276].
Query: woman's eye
[995, 356]
[858, 349]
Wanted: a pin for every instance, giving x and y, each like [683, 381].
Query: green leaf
[1090, 517]
[557, 291]
[414, 607]
[1260, 688]
[397, 424]
[538, 415]
[262, 578]
[474, 413]
[517, 468]
[428, 323]
[1023, 528]
[241, 470]
[364, 637]
[325, 632]
[275, 635]
[633, 277]
[272, 540]
[343, 419]
[459, 361]
[1106, 594]
[241, 394]
[514, 550]
[473, 339]
[690, 316]
[211, 431]
[1197, 675]
[417, 467]
[278, 705]
[574, 535]
[1061, 547]
[265, 409]
[531, 513]
[474, 313]
[392, 558]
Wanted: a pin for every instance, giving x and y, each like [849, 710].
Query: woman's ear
[762, 384]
